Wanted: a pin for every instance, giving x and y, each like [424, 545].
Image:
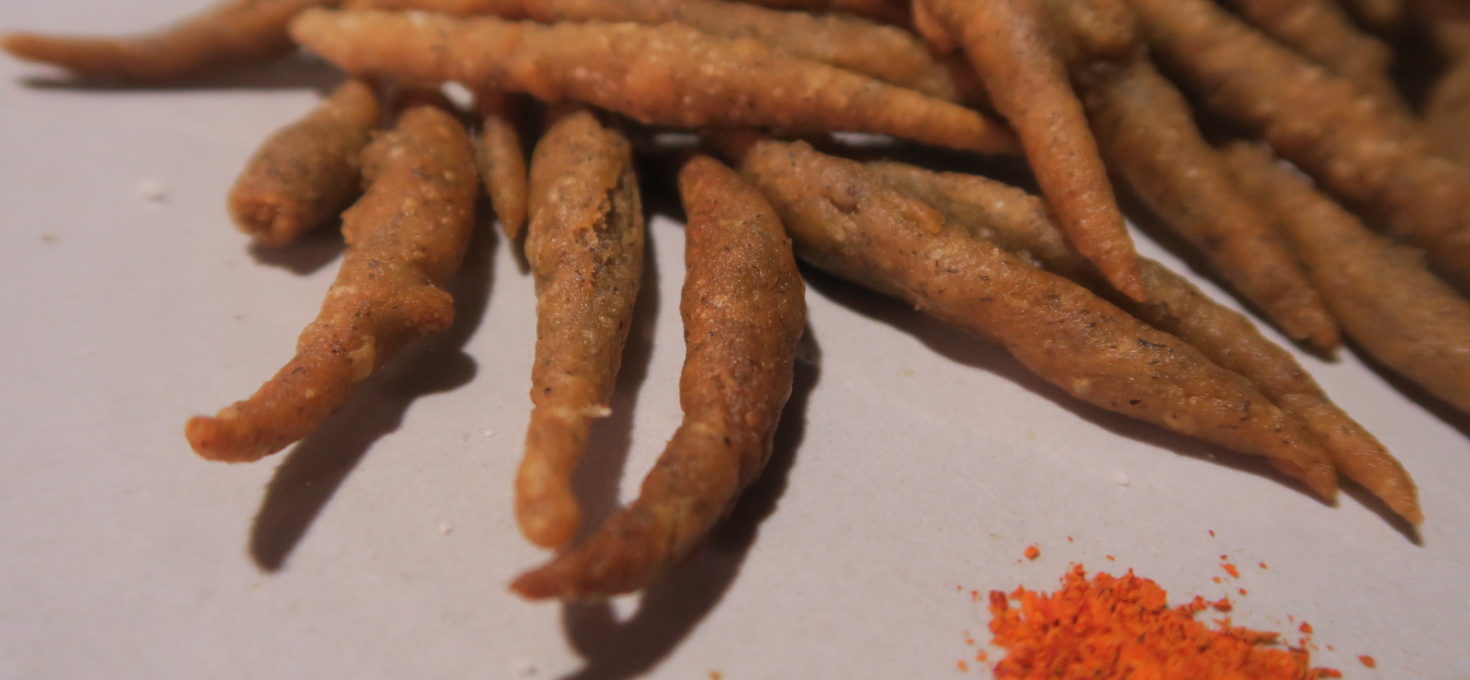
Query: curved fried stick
[667, 74]
[1017, 221]
[1016, 57]
[1447, 112]
[844, 219]
[743, 314]
[1385, 297]
[234, 31]
[1376, 158]
[585, 246]
[501, 159]
[405, 238]
[306, 171]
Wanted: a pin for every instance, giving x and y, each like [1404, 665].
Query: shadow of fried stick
[316, 466]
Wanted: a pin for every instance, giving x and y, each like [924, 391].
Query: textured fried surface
[405, 238]
[743, 314]
[585, 245]
[305, 172]
[667, 74]
[501, 159]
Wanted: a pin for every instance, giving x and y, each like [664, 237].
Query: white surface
[122, 555]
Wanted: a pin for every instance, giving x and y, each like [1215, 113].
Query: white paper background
[382, 546]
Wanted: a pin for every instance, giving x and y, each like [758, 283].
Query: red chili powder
[1368, 661]
[1032, 552]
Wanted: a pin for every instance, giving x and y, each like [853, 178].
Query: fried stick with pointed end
[667, 74]
[232, 32]
[1011, 46]
[1017, 221]
[743, 314]
[405, 237]
[305, 172]
[501, 159]
[843, 218]
[585, 245]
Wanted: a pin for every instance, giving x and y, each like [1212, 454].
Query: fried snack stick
[501, 159]
[667, 74]
[1012, 50]
[1387, 300]
[844, 219]
[405, 238]
[305, 172]
[1017, 221]
[1374, 157]
[234, 31]
[585, 247]
[743, 314]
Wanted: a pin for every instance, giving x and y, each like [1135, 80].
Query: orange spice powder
[1032, 552]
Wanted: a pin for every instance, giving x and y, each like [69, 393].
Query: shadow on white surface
[295, 72]
[311, 253]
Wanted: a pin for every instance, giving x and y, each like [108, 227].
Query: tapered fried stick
[1018, 222]
[743, 314]
[843, 218]
[232, 32]
[501, 159]
[405, 238]
[1387, 300]
[304, 173]
[585, 246]
[667, 74]
[1374, 157]
[1015, 55]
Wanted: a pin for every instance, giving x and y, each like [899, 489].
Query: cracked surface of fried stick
[843, 218]
[585, 244]
[233, 31]
[667, 74]
[1017, 221]
[501, 159]
[743, 312]
[405, 237]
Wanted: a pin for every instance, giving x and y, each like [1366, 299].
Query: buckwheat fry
[1017, 221]
[585, 245]
[743, 314]
[405, 238]
[1403, 315]
[304, 173]
[667, 74]
[844, 219]
[234, 31]
[501, 159]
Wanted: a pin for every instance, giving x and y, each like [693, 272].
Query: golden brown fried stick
[501, 159]
[1374, 157]
[305, 172]
[585, 247]
[667, 74]
[1017, 221]
[844, 219]
[234, 31]
[405, 238]
[1447, 112]
[1387, 300]
[1012, 50]
[743, 314]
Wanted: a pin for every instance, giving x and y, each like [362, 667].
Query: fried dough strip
[501, 159]
[844, 219]
[585, 245]
[1015, 55]
[1374, 157]
[743, 314]
[1017, 221]
[305, 172]
[231, 32]
[405, 238]
[1387, 300]
[667, 74]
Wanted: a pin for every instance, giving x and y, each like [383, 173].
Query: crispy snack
[585, 245]
[1447, 112]
[305, 172]
[405, 238]
[501, 159]
[1376, 158]
[232, 32]
[667, 74]
[743, 314]
[844, 219]
[1387, 300]
[1017, 221]
[1012, 50]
